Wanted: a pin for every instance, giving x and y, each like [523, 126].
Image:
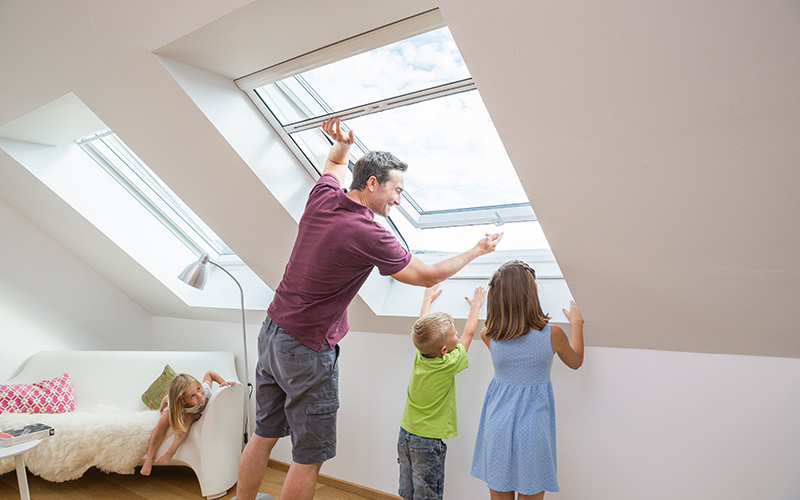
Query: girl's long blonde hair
[512, 305]
[177, 406]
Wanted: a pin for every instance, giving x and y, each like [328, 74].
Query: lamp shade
[195, 273]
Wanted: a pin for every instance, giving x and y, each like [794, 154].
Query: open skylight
[404, 88]
[415, 98]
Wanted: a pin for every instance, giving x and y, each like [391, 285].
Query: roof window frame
[419, 218]
[181, 221]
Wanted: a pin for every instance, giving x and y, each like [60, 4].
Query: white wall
[50, 300]
[632, 424]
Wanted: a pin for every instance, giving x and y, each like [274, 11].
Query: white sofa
[110, 427]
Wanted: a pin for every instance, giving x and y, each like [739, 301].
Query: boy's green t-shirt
[431, 395]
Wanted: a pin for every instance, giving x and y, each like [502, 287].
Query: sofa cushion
[159, 388]
[48, 396]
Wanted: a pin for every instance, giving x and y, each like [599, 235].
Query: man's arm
[472, 319]
[421, 274]
[336, 162]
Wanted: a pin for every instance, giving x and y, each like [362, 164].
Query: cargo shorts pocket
[322, 421]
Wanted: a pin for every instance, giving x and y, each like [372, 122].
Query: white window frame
[180, 220]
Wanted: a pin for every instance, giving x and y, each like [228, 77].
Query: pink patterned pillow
[48, 396]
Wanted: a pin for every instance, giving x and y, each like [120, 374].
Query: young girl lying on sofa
[179, 409]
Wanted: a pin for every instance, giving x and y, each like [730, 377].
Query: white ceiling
[657, 142]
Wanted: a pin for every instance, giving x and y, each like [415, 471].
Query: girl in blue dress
[515, 452]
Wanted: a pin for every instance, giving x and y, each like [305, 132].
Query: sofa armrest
[214, 444]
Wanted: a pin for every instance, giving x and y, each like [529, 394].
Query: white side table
[16, 451]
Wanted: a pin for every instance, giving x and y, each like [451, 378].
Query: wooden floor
[165, 483]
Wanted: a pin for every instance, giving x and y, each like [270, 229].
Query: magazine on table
[10, 437]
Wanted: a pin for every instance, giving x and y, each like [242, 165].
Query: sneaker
[260, 496]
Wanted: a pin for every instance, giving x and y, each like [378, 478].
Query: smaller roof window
[144, 185]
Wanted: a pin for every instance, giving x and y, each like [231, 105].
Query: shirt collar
[347, 203]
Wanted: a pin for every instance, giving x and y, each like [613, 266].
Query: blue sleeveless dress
[516, 445]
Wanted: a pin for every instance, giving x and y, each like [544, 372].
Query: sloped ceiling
[657, 142]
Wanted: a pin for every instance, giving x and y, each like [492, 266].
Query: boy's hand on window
[432, 292]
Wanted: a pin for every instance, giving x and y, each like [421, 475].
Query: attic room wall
[632, 424]
[50, 300]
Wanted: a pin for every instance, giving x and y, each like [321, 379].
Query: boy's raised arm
[472, 319]
[430, 295]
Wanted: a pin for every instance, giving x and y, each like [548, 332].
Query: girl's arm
[475, 304]
[213, 376]
[486, 339]
[163, 404]
[430, 295]
[569, 351]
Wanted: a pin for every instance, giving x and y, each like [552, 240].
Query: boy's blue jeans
[421, 466]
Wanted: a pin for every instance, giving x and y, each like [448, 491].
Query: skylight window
[144, 185]
[415, 98]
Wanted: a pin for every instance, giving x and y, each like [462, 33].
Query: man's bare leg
[253, 466]
[300, 482]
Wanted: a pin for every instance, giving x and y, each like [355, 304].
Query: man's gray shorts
[297, 394]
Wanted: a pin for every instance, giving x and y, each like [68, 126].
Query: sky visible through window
[425, 61]
[456, 158]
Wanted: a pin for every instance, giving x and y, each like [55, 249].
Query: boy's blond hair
[430, 333]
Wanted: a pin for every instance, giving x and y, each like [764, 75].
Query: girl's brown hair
[177, 388]
[512, 305]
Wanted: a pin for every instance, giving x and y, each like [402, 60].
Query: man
[338, 244]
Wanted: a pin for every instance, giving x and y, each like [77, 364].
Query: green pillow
[159, 388]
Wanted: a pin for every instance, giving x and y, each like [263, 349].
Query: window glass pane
[315, 146]
[418, 63]
[151, 191]
[456, 159]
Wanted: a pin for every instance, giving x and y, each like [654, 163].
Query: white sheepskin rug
[101, 437]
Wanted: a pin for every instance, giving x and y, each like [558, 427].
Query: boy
[430, 413]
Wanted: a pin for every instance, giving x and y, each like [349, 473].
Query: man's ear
[372, 183]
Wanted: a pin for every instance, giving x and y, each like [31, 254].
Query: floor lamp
[195, 275]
